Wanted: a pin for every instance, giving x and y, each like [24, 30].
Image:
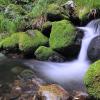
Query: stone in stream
[94, 49]
[53, 92]
[79, 95]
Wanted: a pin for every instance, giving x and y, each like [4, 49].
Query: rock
[91, 14]
[70, 11]
[46, 53]
[46, 28]
[92, 80]
[62, 38]
[26, 42]
[53, 92]
[17, 70]
[94, 49]
[54, 13]
[20, 1]
[79, 95]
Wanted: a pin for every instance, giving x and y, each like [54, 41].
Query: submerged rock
[46, 53]
[94, 49]
[53, 92]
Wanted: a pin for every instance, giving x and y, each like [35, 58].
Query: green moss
[82, 12]
[43, 53]
[92, 80]
[10, 41]
[53, 8]
[62, 34]
[27, 42]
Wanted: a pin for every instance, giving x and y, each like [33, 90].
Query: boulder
[62, 38]
[25, 42]
[46, 28]
[54, 13]
[94, 49]
[46, 53]
[92, 80]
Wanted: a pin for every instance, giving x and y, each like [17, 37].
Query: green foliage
[5, 2]
[88, 3]
[40, 8]
[43, 53]
[92, 80]
[84, 6]
[7, 25]
[62, 34]
[13, 11]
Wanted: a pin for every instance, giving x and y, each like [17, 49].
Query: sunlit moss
[92, 80]
[62, 34]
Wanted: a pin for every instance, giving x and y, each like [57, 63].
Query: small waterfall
[69, 74]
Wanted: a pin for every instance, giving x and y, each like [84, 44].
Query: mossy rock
[10, 41]
[54, 13]
[46, 53]
[62, 35]
[25, 41]
[32, 40]
[92, 80]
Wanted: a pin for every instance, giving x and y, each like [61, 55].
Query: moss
[27, 41]
[82, 12]
[10, 41]
[46, 25]
[92, 80]
[53, 8]
[24, 40]
[43, 53]
[62, 34]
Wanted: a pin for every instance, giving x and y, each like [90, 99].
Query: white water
[69, 74]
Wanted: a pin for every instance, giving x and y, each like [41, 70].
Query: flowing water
[69, 74]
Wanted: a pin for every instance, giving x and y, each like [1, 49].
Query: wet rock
[17, 70]
[91, 15]
[53, 92]
[46, 53]
[79, 95]
[94, 49]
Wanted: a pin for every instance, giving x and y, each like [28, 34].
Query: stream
[69, 74]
